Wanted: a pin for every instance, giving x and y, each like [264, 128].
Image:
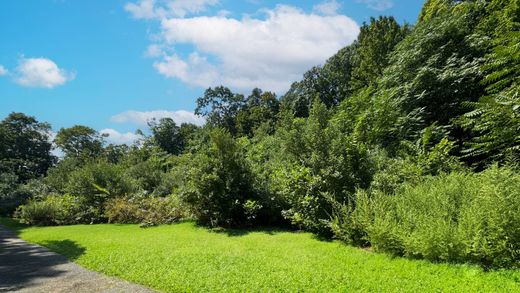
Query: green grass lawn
[184, 257]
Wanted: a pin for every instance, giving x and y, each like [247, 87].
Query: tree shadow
[24, 265]
[238, 232]
[12, 224]
[67, 248]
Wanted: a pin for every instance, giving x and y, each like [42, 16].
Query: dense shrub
[98, 181]
[14, 194]
[9, 198]
[423, 157]
[218, 185]
[144, 210]
[52, 210]
[147, 175]
[461, 217]
[317, 163]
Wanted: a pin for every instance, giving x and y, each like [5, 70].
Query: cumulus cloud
[196, 70]
[3, 70]
[379, 5]
[41, 72]
[150, 9]
[268, 52]
[154, 51]
[327, 7]
[115, 137]
[142, 10]
[142, 118]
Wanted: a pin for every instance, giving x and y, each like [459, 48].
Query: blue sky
[114, 64]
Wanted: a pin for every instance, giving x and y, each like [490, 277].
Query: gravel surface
[31, 268]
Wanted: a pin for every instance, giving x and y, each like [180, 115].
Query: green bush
[147, 175]
[98, 181]
[123, 211]
[218, 185]
[317, 163]
[52, 210]
[458, 217]
[144, 210]
[9, 196]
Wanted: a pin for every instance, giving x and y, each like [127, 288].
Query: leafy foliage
[25, 147]
[220, 106]
[169, 137]
[456, 217]
[80, 142]
[52, 210]
[375, 43]
[147, 211]
[496, 117]
[218, 186]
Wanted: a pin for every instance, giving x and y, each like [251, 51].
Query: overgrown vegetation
[406, 141]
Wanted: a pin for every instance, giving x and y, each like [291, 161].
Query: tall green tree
[375, 42]
[354, 67]
[260, 111]
[166, 134]
[220, 106]
[496, 117]
[80, 142]
[437, 68]
[25, 147]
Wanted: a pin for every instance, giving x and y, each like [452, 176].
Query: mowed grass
[184, 257]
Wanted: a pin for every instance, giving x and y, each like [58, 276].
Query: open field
[184, 257]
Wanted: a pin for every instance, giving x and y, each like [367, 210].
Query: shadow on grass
[243, 231]
[68, 248]
[13, 225]
[24, 265]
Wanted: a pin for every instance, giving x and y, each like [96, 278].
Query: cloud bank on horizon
[115, 137]
[270, 50]
[142, 118]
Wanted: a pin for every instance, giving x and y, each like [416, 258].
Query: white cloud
[196, 70]
[143, 10]
[329, 7]
[3, 70]
[41, 72]
[115, 137]
[150, 9]
[142, 118]
[379, 5]
[269, 52]
[154, 51]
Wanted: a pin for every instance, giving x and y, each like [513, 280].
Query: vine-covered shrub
[144, 210]
[460, 217]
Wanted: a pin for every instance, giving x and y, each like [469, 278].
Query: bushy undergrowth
[52, 210]
[68, 209]
[144, 210]
[457, 217]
